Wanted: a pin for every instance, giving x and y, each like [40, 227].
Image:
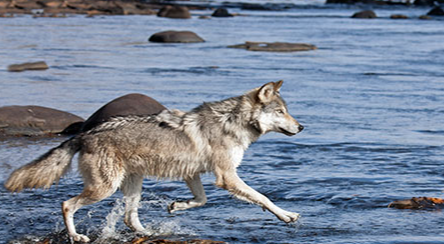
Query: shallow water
[371, 99]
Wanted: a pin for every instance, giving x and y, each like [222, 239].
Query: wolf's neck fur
[233, 117]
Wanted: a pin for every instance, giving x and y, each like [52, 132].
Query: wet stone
[398, 16]
[416, 203]
[40, 65]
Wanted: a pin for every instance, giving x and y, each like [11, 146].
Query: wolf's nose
[300, 127]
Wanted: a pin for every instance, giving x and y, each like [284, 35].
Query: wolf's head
[270, 111]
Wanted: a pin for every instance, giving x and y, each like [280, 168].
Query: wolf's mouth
[286, 132]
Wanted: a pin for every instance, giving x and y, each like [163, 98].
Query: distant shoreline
[62, 8]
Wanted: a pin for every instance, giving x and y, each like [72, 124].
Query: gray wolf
[119, 153]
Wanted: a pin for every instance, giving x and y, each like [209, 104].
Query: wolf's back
[45, 170]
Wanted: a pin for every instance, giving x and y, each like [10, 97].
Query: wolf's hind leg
[198, 191]
[89, 195]
[131, 188]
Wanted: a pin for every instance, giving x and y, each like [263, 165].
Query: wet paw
[80, 238]
[289, 217]
[172, 207]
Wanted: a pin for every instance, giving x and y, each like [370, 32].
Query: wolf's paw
[289, 217]
[80, 238]
[178, 205]
[173, 207]
[182, 205]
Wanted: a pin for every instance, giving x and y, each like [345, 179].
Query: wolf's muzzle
[300, 127]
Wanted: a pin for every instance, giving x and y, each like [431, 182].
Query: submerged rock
[37, 121]
[130, 104]
[267, 6]
[418, 203]
[175, 12]
[366, 14]
[275, 46]
[398, 16]
[425, 17]
[40, 65]
[176, 37]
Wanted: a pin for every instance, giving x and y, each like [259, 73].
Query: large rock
[131, 104]
[40, 65]
[275, 46]
[176, 37]
[437, 11]
[175, 12]
[37, 121]
[366, 14]
[221, 12]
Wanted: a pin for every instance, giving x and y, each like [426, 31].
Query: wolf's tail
[47, 169]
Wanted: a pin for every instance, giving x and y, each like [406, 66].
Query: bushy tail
[47, 169]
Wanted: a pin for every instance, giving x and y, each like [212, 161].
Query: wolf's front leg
[231, 182]
[198, 191]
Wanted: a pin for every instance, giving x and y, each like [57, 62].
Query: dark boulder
[437, 11]
[221, 12]
[431, 203]
[28, 66]
[37, 121]
[131, 104]
[176, 37]
[275, 46]
[366, 14]
[175, 12]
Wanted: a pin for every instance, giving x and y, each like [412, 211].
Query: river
[371, 98]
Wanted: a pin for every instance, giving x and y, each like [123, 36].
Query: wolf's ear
[277, 85]
[266, 92]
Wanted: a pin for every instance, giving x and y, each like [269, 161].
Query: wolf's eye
[280, 111]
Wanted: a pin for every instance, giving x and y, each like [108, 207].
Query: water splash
[109, 230]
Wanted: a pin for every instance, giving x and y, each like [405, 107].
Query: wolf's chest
[236, 155]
